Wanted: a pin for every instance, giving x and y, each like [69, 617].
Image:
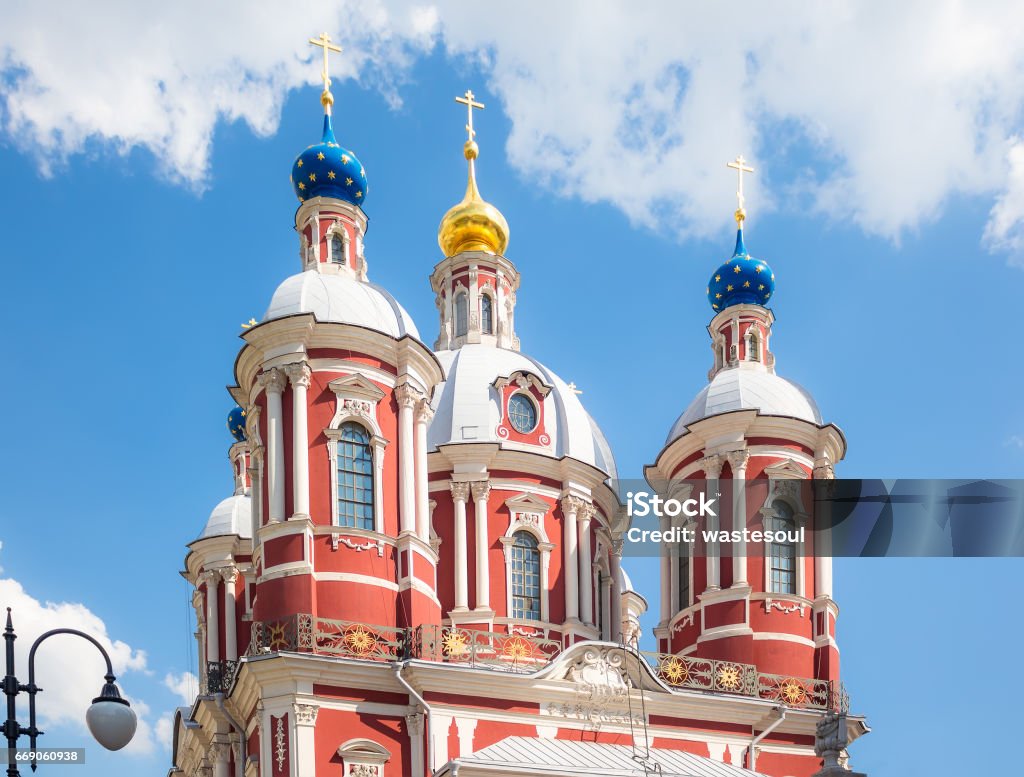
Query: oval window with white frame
[522, 413]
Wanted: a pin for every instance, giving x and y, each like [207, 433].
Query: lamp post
[110, 718]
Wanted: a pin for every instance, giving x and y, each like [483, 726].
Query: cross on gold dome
[470, 104]
[740, 166]
[324, 42]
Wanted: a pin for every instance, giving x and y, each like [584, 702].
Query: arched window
[753, 347]
[355, 477]
[461, 314]
[486, 315]
[782, 555]
[337, 249]
[684, 575]
[522, 413]
[525, 560]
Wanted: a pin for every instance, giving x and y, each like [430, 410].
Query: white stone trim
[527, 513]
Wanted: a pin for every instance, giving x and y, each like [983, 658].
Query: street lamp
[110, 718]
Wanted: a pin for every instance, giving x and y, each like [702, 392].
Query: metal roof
[567, 757]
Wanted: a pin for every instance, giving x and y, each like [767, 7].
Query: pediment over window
[524, 380]
[356, 387]
[363, 758]
[785, 470]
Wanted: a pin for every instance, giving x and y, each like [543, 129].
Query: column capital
[298, 373]
[586, 512]
[572, 505]
[211, 576]
[414, 724]
[481, 489]
[305, 714]
[738, 459]
[424, 412]
[824, 471]
[460, 490]
[272, 380]
[712, 466]
[407, 396]
[229, 575]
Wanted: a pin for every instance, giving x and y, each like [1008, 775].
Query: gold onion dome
[474, 224]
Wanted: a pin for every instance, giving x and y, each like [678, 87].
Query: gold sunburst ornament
[675, 671]
[792, 692]
[454, 644]
[729, 677]
[276, 639]
[360, 641]
[517, 648]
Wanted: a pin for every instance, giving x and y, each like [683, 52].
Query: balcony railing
[516, 652]
[220, 675]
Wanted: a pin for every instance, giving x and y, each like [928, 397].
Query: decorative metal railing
[515, 651]
[704, 674]
[497, 650]
[220, 675]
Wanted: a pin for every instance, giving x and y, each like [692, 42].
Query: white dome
[341, 299]
[466, 405]
[740, 389]
[231, 516]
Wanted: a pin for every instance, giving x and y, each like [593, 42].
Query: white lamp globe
[111, 720]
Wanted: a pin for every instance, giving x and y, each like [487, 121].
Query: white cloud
[68, 668]
[903, 106]
[185, 686]
[1015, 441]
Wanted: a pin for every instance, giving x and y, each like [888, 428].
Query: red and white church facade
[420, 569]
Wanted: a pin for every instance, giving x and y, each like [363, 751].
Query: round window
[522, 413]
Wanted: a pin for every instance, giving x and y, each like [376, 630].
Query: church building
[420, 569]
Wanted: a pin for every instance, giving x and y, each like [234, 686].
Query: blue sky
[129, 267]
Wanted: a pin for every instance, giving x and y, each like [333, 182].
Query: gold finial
[740, 166]
[324, 42]
[473, 224]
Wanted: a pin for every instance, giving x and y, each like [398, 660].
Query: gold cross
[324, 42]
[740, 166]
[470, 105]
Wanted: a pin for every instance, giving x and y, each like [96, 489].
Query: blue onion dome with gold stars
[329, 170]
[741, 280]
[236, 423]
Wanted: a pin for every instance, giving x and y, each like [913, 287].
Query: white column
[299, 375]
[274, 382]
[822, 534]
[738, 462]
[606, 607]
[615, 562]
[481, 492]
[414, 727]
[571, 506]
[230, 575]
[212, 627]
[256, 498]
[586, 564]
[666, 576]
[303, 749]
[423, 416]
[460, 492]
[218, 754]
[712, 466]
[407, 398]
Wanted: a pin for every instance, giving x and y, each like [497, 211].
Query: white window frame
[527, 513]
